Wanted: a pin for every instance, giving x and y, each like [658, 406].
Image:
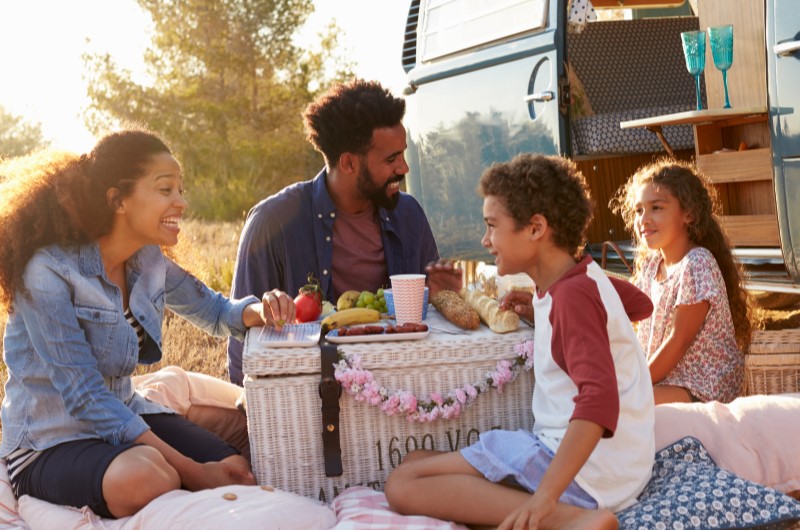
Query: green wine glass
[721, 39]
[694, 51]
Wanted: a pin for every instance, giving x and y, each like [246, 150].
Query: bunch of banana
[349, 317]
[347, 300]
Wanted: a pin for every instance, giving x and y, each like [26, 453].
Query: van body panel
[468, 111]
[485, 104]
[783, 73]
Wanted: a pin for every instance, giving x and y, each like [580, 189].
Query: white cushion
[252, 508]
[9, 514]
[750, 436]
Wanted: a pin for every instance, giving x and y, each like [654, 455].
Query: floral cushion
[689, 491]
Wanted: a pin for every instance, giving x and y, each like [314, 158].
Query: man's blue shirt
[289, 235]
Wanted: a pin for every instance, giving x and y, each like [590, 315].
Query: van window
[456, 25]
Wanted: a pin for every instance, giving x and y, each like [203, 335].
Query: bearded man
[350, 226]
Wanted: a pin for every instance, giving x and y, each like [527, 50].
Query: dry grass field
[209, 250]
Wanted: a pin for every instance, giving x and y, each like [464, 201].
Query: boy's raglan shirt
[589, 365]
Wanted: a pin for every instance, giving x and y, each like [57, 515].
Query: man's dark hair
[342, 119]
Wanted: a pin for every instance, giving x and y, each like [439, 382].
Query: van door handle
[786, 48]
[547, 95]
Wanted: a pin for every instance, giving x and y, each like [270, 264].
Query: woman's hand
[276, 309]
[521, 302]
[215, 474]
[443, 274]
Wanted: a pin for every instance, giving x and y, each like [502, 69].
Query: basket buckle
[329, 388]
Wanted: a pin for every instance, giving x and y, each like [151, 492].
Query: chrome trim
[785, 49]
[547, 95]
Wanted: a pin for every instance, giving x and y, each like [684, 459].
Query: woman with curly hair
[85, 283]
[700, 326]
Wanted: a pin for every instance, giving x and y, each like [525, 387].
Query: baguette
[455, 309]
[498, 320]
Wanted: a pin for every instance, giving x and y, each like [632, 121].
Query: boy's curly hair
[548, 185]
[698, 197]
[342, 120]
[54, 197]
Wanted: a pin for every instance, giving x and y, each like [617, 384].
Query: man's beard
[377, 195]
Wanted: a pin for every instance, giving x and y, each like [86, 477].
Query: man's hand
[443, 274]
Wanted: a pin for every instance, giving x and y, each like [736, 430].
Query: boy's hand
[530, 515]
[521, 302]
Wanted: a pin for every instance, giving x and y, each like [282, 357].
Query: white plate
[291, 335]
[334, 337]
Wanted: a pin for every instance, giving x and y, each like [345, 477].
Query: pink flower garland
[361, 384]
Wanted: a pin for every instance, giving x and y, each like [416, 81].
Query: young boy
[591, 451]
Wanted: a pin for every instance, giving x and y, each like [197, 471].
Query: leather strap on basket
[330, 390]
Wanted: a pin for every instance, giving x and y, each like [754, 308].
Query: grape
[370, 300]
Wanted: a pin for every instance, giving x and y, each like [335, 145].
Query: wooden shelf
[743, 178]
[695, 117]
[736, 166]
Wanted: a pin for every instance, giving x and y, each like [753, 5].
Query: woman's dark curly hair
[551, 186]
[342, 120]
[52, 197]
[698, 198]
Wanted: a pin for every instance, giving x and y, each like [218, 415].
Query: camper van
[608, 86]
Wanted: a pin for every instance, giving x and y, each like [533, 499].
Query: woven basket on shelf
[773, 364]
[284, 417]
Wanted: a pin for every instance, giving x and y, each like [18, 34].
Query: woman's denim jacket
[70, 352]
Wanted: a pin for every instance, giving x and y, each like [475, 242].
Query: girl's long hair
[698, 198]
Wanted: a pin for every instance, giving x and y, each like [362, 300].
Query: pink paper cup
[408, 292]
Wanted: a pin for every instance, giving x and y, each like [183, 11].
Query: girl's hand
[521, 302]
[530, 515]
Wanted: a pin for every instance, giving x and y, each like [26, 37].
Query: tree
[228, 88]
[18, 136]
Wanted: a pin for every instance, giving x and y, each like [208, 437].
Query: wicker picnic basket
[773, 364]
[284, 417]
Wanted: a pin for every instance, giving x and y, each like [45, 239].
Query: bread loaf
[498, 320]
[455, 309]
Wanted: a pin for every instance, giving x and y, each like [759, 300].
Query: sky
[42, 41]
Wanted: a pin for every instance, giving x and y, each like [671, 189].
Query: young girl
[592, 445]
[695, 337]
[86, 284]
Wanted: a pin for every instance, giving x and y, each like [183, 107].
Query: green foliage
[228, 88]
[18, 137]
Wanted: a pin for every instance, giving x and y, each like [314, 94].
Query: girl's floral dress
[713, 366]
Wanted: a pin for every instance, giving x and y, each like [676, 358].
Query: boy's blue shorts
[521, 458]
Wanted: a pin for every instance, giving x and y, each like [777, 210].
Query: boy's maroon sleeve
[580, 346]
[637, 305]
